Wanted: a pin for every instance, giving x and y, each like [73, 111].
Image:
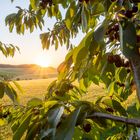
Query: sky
[29, 44]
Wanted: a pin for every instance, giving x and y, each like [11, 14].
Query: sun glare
[43, 61]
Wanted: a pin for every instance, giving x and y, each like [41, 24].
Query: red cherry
[135, 9]
[128, 14]
[87, 127]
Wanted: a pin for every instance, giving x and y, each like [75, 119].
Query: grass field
[31, 88]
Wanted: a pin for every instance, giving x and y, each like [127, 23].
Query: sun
[43, 64]
[42, 61]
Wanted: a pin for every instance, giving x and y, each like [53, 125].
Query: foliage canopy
[108, 55]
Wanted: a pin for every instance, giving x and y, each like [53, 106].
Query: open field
[27, 73]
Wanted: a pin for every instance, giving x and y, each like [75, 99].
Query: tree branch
[136, 1]
[130, 121]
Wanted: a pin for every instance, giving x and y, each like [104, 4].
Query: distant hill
[21, 66]
[26, 71]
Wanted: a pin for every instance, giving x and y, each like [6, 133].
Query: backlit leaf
[34, 4]
[1, 89]
[84, 19]
[22, 127]
[128, 39]
[66, 130]
[34, 102]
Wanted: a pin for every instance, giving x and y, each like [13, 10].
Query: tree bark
[135, 65]
[135, 1]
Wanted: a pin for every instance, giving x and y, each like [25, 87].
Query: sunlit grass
[31, 88]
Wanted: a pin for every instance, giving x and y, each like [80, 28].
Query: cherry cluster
[64, 89]
[128, 13]
[5, 114]
[120, 84]
[109, 109]
[113, 32]
[119, 62]
[87, 127]
[138, 38]
[131, 13]
[44, 3]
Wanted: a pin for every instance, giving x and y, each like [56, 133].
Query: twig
[12, 105]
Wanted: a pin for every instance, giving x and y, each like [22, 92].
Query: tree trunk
[135, 65]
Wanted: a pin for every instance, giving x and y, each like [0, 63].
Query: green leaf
[107, 4]
[111, 89]
[34, 102]
[81, 51]
[82, 85]
[56, 43]
[70, 14]
[62, 67]
[66, 130]
[54, 116]
[57, 1]
[3, 50]
[68, 23]
[33, 131]
[72, 9]
[98, 9]
[18, 86]
[77, 133]
[50, 104]
[34, 4]
[107, 71]
[120, 75]
[46, 133]
[1, 90]
[2, 122]
[45, 40]
[15, 125]
[22, 128]
[115, 105]
[94, 47]
[133, 111]
[84, 19]
[9, 18]
[11, 26]
[128, 39]
[112, 131]
[99, 34]
[11, 93]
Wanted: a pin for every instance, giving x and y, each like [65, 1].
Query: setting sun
[42, 61]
